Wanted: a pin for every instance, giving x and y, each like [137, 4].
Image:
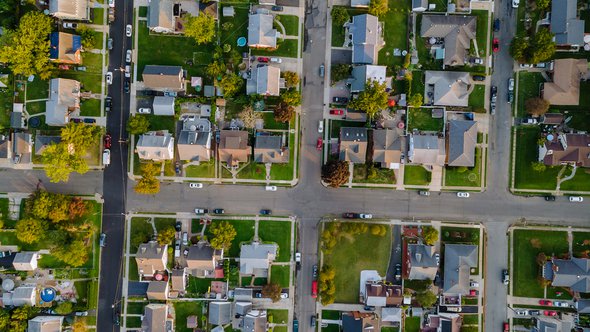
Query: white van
[106, 157]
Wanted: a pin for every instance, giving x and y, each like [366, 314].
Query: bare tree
[249, 117]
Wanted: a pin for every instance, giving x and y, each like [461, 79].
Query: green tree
[536, 106]
[166, 236]
[340, 72]
[542, 46]
[80, 135]
[87, 36]
[335, 173]
[138, 124]
[215, 69]
[27, 49]
[60, 209]
[4, 320]
[80, 325]
[416, 100]
[429, 235]
[201, 28]
[60, 161]
[340, 15]
[230, 83]
[148, 183]
[64, 308]
[291, 97]
[519, 48]
[272, 291]
[372, 99]
[23, 313]
[283, 112]
[74, 254]
[378, 8]
[542, 4]
[291, 79]
[30, 230]
[249, 117]
[538, 166]
[426, 299]
[222, 235]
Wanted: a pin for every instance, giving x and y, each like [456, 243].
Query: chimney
[158, 250]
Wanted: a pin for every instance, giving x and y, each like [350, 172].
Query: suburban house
[563, 149]
[582, 306]
[20, 296]
[42, 142]
[45, 324]
[550, 324]
[151, 258]
[26, 261]
[419, 6]
[63, 102]
[359, 3]
[220, 313]
[261, 33]
[163, 78]
[202, 260]
[155, 145]
[353, 144]
[178, 280]
[459, 260]
[447, 88]
[366, 34]
[363, 74]
[17, 118]
[69, 9]
[568, 29]
[461, 142]
[356, 321]
[457, 31]
[241, 309]
[255, 258]
[443, 321]
[233, 147]
[163, 105]
[254, 321]
[158, 290]
[427, 150]
[565, 88]
[243, 294]
[572, 273]
[552, 119]
[5, 149]
[421, 262]
[194, 140]
[380, 294]
[265, 80]
[388, 148]
[155, 318]
[391, 316]
[65, 48]
[270, 149]
[162, 18]
[22, 147]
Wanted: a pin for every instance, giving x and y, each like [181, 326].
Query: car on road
[336, 112]
[201, 211]
[263, 59]
[277, 8]
[128, 56]
[366, 216]
[107, 141]
[295, 325]
[265, 212]
[178, 226]
[144, 110]
[321, 126]
[103, 239]
[479, 78]
[313, 319]
[128, 71]
[505, 277]
[550, 313]
[298, 257]
[511, 84]
[126, 86]
[350, 215]
[106, 157]
[276, 60]
[314, 272]
[561, 304]
[322, 71]
[545, 302]
[424, 193]
[319, 144]
[110, 43]
[314, 289]
[493, 91]
[109, 78]
[506, 326]
[437, 258]
[463, 194]
[195, 185]
[576, 199]
[342, 100]
[515, 3]
[108, 103]
[116, 317]
[497, 25]
[128, 30]
[549, 198]
[398, 272]
[89, 120]
[218, 211]
[493, 108]
[270, 188]
[496, 45]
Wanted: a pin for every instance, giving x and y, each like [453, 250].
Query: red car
[319, 144]
[550, 313]
[545, 302]
[107, 141]
[314, 289]
[496, 45]
[263, 59]
[506, 327]
[337, 112]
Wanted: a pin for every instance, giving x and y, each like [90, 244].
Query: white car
[366, 216]
[106, 157]
[284, 295]
[128, 30]
[128, 71]
[112, 3]
[109, 78]
[271, 188]
[128, 56]
[69, 25]
[561, 304]
[576, 199]
[195, 185]
[515, 3]
[201, 211]
[437, 258]
[521, 312]
[463, 194]
[276, 60]
[474, 284]
[321, 127]
[297, 257]
[144, 110]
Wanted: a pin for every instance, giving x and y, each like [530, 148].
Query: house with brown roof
[46, 324]
[265, 80]
[380, 294]
[353, 144]
[161, 17]
[202, 260]
[552, 119]
[194, 140]
[457, 31]
[70, 9]
[565, 88]
[178, 279]
[151, 258]
[63, 102]
[388, 148]
[65, 48]
[155, 318]
[421, 262]
[233, 147]
[158, 290]
[356, 321]
[461, 141]
[566, 149]
[22, 147]
[270, 149]
[163, 78]
[447, 322]
[254, 321]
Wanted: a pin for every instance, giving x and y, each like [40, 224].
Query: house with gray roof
[388, 148]
[161, 17]
[220, 313]
[202, 260]
[353, 144]
[155, 145]
[462, 139]
[457, 31]
[270, 149]
[447, 88]
[155, 318]
[151, 258]
[419, 6]
[359, 3]
[422, 262]
[158, 290]
[23, 295]
[242, 308]
[255, 258]
[17, 118]
[45, 324]
[243, 294]
[572, 273]
[77, 10]
[63, 102]
[261, 33]
[459, 260]
[26, 261]
[265, 80]
[163, 105]
[42, 142]
[194, 140]
[163, 78]
[5, 148]
[254, 321]
[391, 316]
[366, 34]
[550, 324]
[568, 29]
[365, 73]
[427, 150]
[582, 306]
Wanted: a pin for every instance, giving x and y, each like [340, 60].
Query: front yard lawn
[141, 231]
[338, 31]
[98, 16]
[244, 230]
[422, 120]
[465, 176]
[270, 123]
[527, 244]
[6, 99]
[526, 154]
[278, 232]
[416, 175]
[89, 82]
[159, 122]
[466, 235]
[286, 48]
[183, 310]
[136, 308]
[291, 24]
[482, 31]
[581, 244]
[376, 174]
[164, 223]
[38, 89]
[279, 316]
[477, 97]
[349, 258]
[580, 181]
[252, 170]
[206, 169]
[412, 324]
[90, 107]
[335, 126]
[395, 32]
[279, 274]
[529, 86]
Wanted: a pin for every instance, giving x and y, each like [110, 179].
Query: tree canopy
[416, 100]
[536, 106]
[291, 97]
[291, 79]
[222, 235]
[284, 113]
[538, 48]
[371, 100]
[138, 124]
[201, 28]
[378, 8]
[340, 15]
[272, 291]
[148, 183]
[249, 117]
[74, 253]
[340, 72]
[30, 230]
[426, 299]
[335, 173]
[230, 83]
[166, 235]
[429, 235]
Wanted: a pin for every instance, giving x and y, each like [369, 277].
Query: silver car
[128, 56]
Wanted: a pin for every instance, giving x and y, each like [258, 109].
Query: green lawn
[421, 119]
[245, 233]
[528, 244]
[198, 286]
[92, 61]
[330, 328]
[395, 32]
[460, 235]
[279, 274]
[183, 310]
[278, 232]
[38, 89]
[98, 16]
[416, 175]
[136, 308]
[330, 314]
[412, 324]
[349, 259]
[163, 223]
[90, 107]
[36, 107]
[141, 231]
[253, 170]
[206, 169]
[89, 82]
[159, 122]
[580, 115]
[270, 123]
[143, 10]
[529, 85]
[133, 322]
[285, 48]
[6, 99]
[379, 175]
[580, 181]
[527, 153]
[482, 31]
[279, 316]
[239, 26]
[133, 271]
[291, 24]
[465, 176]
[417, 85]
[477, 97]
[581, 244]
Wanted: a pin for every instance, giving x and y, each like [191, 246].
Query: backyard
[465, 176]
[372, 174]
[422, 120]
[412, 324]
[395, 32]
[526, 154]
[529, 85]
[416, 175]
[183, 310]
[278, 232]
[279, 274]
[244, 230]
[465, 235]
[285, 48]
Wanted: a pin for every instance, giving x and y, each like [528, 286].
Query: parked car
[270, 188]
[493, 91]
[506, 326]
[550, 313]
[107, 141]
[319, 144]
[561, 304]
[454, 309]
[103, 239]
[342, 100]
[277, 8]
[505, 277]
[497, 25]
[576, 199]
[369, 308]
[437, 258]
[545, 302]
[5, 253]
[128, 56]
[126, 87]
[195, 185]
[321, 126]
[110, 43]
[515, 3]
[81, 313]
[493, 108]
[322, 70]
[144, 110]
[463, 194]
[265, 212]
[534, 312]
[128, 71]
[511, 84]
[495, 45]
[178, 226]
[70, 25]
[76, 120]
[177, 249]
[218, 211]
[336, 112]
[424, 193]
[313, 319]
[521, 312]
[263, 59]
[128, 30]
[201, 211]
[89, 120]
[474, 284]
[108, 103]
[284, 295]
[184, 238]
[314, 272]
[109, 78]
[549, 198]
[479, 78]
[298, 257]
[366, 216]
[112, 3]
[276, 60]
[314, 289]
[106, 157]
[398, 272]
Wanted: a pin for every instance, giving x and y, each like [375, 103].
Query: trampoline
[48, 294]
[34, 122]
[242, 41]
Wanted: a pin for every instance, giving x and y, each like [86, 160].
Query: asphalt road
[115, 177]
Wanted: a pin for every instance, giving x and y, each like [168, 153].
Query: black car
[398, 272]
[265, 212]
[550, 198]
[494, 90]
[369, 308]
[87, 120]
[350, 215]
[218, 211]
[76, 120]
[178, 226]
[479, 78]
[315, 272]
[342, 100]
[126, 86]
[108, 103]
[497, 25]
[277, 8]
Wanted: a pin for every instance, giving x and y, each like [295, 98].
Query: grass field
[270, 123]
[529, 85]
[183, 310]
[528, 244]
[464, 235]
[135, 308]
[349, 258]
[90, 107]
[477, 97]
[381, 175]
[252, 170]
[286, 48]
[482, 31]
[245, 233]
[205, 169]
[278, 232]
[526, 153]
[421, 119]
[279, 316]
[36, 107]
[416, 175]
[279, 274]
[141, 231]
[291, 24]
[471, 177]
[38, 89]
[412, 324]
[395, 32]
[239, 28]
[581, 244]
